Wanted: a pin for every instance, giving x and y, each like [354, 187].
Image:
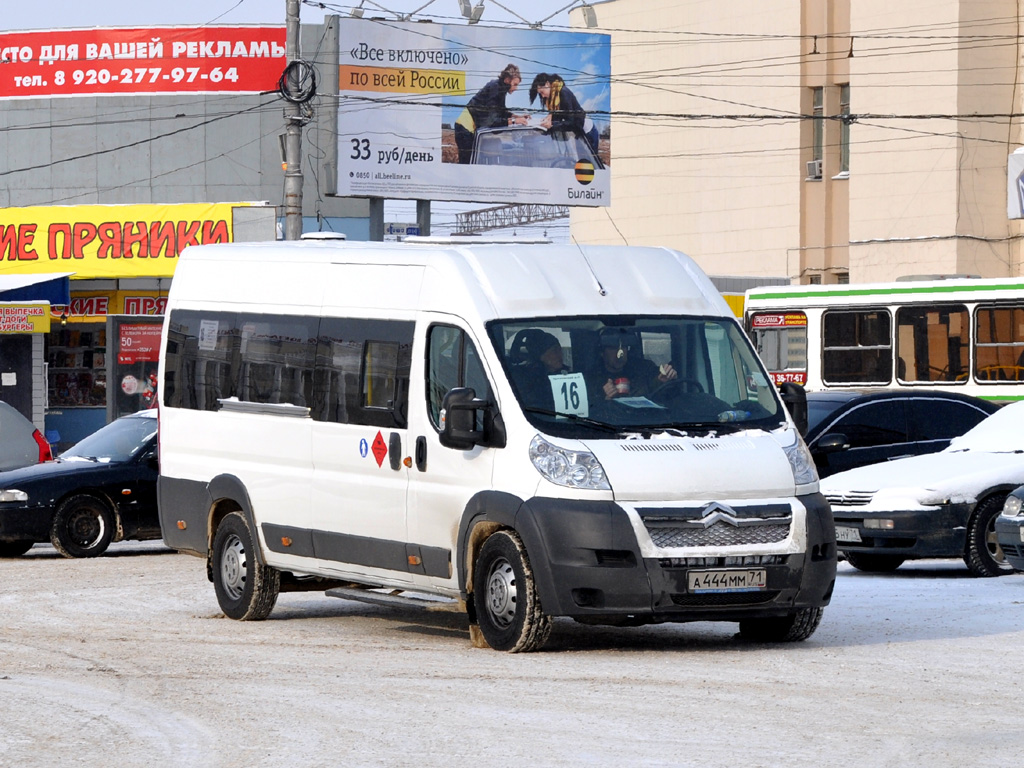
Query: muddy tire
[82, 527]
[983, 555]
[505, 596]
[14, 548]
[246, 590]
[869, 563]
[795, 627]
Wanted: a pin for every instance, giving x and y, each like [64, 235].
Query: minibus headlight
[1012, 506]
[13, 495]
[573, 469]
[801, 462]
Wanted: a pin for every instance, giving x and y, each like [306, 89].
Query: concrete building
[828, 141]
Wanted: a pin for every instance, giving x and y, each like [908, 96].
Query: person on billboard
[564, 110]
[487, 110]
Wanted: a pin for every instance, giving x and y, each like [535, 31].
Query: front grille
[719, 534]
[723, 598]
[850, 498]
[722, 562]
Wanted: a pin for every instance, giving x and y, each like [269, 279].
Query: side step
[396, 599]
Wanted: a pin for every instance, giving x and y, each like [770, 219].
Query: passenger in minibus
[535, 355]
[623, 371]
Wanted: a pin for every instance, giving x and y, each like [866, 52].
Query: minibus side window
[452, 361]
[362, 372]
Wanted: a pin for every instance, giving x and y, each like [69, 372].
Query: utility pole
[293, 130]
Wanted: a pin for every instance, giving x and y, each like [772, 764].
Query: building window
[843, 278]
[818, 135]
[844, 129]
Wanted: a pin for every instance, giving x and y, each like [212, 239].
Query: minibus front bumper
[588, 566]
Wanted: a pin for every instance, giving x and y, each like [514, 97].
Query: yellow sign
[95, 306]
[108, 240]
[25, 318]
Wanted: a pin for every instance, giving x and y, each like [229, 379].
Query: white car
[940, 505]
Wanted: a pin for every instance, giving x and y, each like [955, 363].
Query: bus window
[999, 335]
[932, 343]
[781, 342]
[857, 347]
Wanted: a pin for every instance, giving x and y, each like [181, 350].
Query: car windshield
[999, 433]
[118, 441]
[597, 376]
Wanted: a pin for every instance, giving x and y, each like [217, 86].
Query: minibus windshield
[592, 376]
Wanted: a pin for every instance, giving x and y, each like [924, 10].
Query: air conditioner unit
[814, 169]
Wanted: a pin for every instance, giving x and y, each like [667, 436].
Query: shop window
[77, 366]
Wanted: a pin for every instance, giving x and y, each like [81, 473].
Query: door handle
[395, 450]
[421, 453]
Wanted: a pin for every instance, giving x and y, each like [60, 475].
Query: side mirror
[795, 398]
[459, 419]
[832, 443]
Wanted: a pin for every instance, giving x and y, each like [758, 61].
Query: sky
[126, 13]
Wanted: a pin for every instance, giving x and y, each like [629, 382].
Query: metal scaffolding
[504, 216]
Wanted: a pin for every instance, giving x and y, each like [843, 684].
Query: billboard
[151, 60]
[444, 112]
[108, 240]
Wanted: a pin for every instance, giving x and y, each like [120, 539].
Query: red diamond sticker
[379, 448]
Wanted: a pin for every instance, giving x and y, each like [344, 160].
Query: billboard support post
[293, 131]
[423, 216]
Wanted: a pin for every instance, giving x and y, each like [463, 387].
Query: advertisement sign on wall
[471, 113]
[116, 62]
[108, 240]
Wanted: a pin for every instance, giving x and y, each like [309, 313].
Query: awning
[54, 288]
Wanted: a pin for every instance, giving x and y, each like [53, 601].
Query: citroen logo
[715, 512]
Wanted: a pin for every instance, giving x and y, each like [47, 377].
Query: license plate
[732, 580]
[846, 533]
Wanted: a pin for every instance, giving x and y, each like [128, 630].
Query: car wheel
[983, 556]
[246, 590]
[505, 596]
[795, 627]
[82, 527]
[869, 563]
[14, 548]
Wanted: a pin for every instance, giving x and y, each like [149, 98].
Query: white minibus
[519, 431]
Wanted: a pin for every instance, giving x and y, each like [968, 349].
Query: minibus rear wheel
[505, 596]
[246, 590]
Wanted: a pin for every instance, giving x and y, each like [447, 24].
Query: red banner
[139, 343]
[106, 62]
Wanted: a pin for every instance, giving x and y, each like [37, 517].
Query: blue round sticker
[364, 448]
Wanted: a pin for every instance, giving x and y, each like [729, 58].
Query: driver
[621, 373]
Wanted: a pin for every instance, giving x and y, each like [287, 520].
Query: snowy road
[126, 660]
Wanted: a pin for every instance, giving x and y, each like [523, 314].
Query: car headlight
[13, 495]
[1012, 506]
[800, 460]
[573, 469]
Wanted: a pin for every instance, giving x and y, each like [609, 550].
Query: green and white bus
[966, 334]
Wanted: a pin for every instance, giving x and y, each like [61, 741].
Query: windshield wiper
[576, 418]
[701, 427]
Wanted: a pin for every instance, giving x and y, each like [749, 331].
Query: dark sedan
[849, 428]
[103, 489]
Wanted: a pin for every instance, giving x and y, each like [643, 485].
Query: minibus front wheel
[505, 596]
[246, 590]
